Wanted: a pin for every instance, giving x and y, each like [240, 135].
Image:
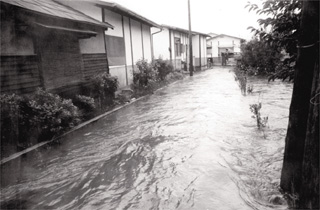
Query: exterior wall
[204, 51]
[136, 41]
[199, 50]
[93, 64]
[85, 7]
[161, 44]
[137, 44]
[127, 38]
[93, 44]
[146, 42]
[19, 74]
[115, 19]
[61, 61]
[195, 50]
[94, 55]
[223, 43]
[93, 51]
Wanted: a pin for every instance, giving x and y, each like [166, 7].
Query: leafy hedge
[28, 119]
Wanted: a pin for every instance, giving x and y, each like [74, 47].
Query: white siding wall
[85, 7]
[136, 40]
[195, 46]
[115, 20]
[128, 49]
[161, 44]
[225, 41]
[127, 40]
[146, 42]
[203, 50]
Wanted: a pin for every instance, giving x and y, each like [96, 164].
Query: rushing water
[192, 145]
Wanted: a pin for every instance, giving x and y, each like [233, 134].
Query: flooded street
[191, 145]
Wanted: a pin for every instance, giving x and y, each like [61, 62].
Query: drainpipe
[152, 49]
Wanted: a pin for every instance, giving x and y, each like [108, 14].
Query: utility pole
[190, 42]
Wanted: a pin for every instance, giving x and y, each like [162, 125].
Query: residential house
[172, 43]
[46, 44]
[130, 40]
[218, 44]
[199, 49]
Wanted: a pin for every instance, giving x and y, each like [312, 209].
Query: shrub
[49, 113]
[86, 105]
[241, 78]
[163, 68]
[105, 84]
[255, 109]
[103, 88]
[10, 115]
[259, 57]
[144, 74]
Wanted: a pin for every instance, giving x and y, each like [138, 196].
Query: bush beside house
[40, 116]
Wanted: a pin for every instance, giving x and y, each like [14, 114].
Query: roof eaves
[183, 30]
[117, 7]
[92, 22]
[97, 22]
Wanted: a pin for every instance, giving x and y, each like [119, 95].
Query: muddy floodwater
[191, 145]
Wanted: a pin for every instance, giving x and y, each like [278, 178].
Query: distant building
[46, 44]
[130, 40]
[172, 43]
[218, 44]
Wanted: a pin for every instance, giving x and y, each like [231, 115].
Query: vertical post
[105, 42]
[125, 53]
[190, 42]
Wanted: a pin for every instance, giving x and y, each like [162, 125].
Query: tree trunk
[309, 192]
[302, 140]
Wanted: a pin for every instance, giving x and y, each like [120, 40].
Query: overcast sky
[217, 16]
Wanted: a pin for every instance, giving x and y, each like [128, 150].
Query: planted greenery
[50, 114]
[35, 117]
[163, 68]
[85, 104]
[261, 121]
[150, 76]
[279, 29]
[144, 74]
[241, 78]
[103, 89]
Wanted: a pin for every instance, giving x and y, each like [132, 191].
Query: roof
[182, 30]
[220, 35]
[83, 32]
[55, 9]
[115, 7]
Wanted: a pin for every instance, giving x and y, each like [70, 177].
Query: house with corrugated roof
[172, 43]
[222, 43]
[128, 42]
[50, 45]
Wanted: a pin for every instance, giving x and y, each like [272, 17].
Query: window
[177, 46]
[115, 50]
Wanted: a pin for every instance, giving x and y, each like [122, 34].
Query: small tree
[259, 57]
